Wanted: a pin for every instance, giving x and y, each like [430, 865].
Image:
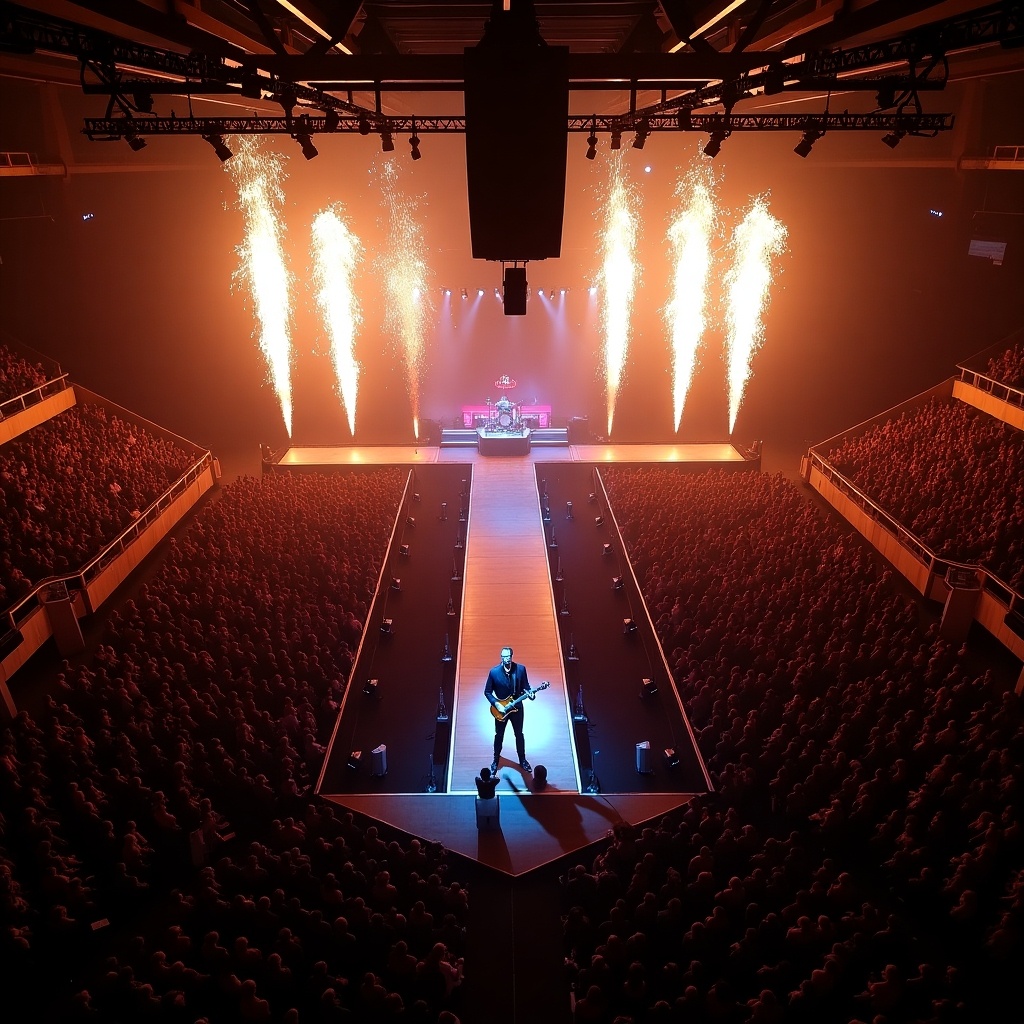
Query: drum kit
[505, 417]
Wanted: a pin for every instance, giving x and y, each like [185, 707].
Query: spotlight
[628, 626]
[804, 146]
[135, 142]
[671, 757]
[617, 583]
[371, 687]
[364, 125]
[387, 142]
[893, 139]
[396, 582]
[649, 687]
[616, 138]
[551, 295]
[355, 759]
[306, 144]
[465, 294]
[387, 627]
[479, 293]
[592, 146]
[331, 120]
[714, 145]
[640, 139]
[414, 143]
[219, 147]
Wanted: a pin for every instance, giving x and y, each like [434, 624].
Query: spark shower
[402, 266]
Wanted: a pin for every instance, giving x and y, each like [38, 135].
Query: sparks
[258, 177]
[618, 278]
[689, 236]
[336, 256]
[754, 242]
[405, 282]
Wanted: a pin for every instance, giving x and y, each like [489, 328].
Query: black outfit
[501, 685]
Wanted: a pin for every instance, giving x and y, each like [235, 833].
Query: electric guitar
[510, 705]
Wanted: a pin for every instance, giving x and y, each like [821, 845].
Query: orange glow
[618, 279]
[405, 282]
[336, 256]
[690, 236]
[258, 177]
[754, 242]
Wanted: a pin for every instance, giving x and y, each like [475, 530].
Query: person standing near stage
[504, 682]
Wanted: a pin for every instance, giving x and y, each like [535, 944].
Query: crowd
[162, 855]
[952, 476]
[69, 486]
[18, 375]
[862, 858]
[1008, 366]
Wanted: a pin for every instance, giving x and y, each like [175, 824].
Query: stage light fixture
[714, 145]
[685, 119]
[617, 583]
[642, 132]
[387, 142]
[387, 627]
[331, 120]
[371, 687]
[649, 687]
[355, 759]
[219, 147]
[886, 97]
[364, 125]
[252, 87]
[497, 293]
[135, 141]
[414, 145]
[616, 142]
[806, 144]
[306, 145]
[893, 139]
[591, 146]
[465, 294]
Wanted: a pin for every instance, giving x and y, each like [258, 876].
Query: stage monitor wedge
[517, 105]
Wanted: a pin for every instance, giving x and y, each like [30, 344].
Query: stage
[501, 587]
[331, 456]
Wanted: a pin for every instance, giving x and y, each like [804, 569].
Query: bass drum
[504, 420]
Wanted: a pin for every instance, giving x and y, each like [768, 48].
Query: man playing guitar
[506, 688]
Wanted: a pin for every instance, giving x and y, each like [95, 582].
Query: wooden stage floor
[508, 599]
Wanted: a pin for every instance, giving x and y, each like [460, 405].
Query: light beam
[258, 176]
[756, 240]
[337, 253]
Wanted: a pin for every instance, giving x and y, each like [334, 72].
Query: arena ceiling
[408, 55]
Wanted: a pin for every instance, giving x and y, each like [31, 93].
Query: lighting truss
[104, 128]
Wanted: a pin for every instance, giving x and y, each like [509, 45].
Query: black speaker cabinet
[514, 296]
[517, 107]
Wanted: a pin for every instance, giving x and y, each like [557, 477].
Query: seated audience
[953, 477]
[69, 486]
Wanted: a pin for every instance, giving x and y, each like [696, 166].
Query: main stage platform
[331, 456]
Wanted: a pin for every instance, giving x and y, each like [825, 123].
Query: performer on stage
[507, 681]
